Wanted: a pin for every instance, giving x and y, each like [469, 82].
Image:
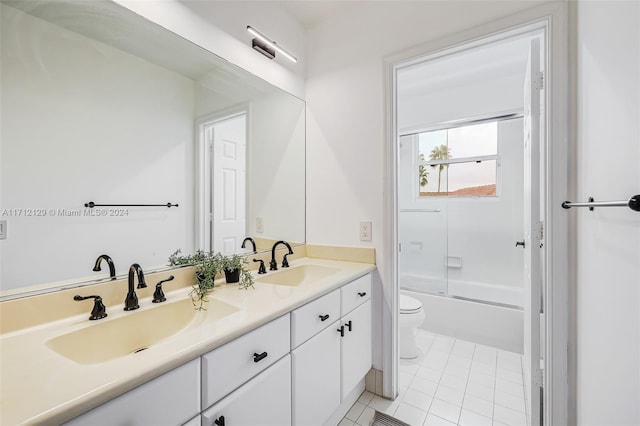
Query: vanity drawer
[231, 365]
[310, 319]
[355, 293]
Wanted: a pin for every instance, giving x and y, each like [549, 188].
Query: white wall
[345, 117]
[83, 122]
[220, 27]
[608, 240]
[277, 151]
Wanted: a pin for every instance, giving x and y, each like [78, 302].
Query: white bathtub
[481, 322]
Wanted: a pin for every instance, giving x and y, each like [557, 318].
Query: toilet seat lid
[409, 304]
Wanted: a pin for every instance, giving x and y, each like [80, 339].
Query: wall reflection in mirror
[101, 105]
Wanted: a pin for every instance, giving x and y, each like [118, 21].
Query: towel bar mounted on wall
[91, 205]
[633, 203]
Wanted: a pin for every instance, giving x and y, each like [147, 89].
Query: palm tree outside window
[465, 158]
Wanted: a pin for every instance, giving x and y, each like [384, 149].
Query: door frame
[552, 20]
[202, 169]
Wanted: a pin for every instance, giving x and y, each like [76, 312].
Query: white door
[532, 232]
[228, 185]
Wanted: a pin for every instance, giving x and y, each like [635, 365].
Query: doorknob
[520, 243]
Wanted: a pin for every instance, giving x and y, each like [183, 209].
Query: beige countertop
[40, 386]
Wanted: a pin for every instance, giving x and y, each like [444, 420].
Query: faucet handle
[273, 265]
[99, 311]
[285, 261]
[261, 268]
[158, 295]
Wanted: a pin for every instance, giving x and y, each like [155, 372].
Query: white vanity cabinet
[229, 366]
[265, 400]
[171, 399]
[356, 347]
[329, 365]
[315, 359]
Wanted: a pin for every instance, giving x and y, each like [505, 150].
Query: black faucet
[99, 311]
[158, 295]
[273, 265]
[253, 243]
[112, 267]
[261, 268]
[131, 301]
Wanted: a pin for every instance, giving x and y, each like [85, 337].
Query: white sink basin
[297, 275]
[138, 330]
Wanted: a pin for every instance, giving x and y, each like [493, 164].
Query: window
[460, 161]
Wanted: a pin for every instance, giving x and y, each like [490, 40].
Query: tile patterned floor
[453, 382]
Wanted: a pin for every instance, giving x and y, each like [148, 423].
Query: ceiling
[310, 13]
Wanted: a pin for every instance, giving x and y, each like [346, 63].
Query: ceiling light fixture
[268, 47]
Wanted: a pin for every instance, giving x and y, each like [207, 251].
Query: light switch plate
[3, 229]
[259, 225]
[365, 231]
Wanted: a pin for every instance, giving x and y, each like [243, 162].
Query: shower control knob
[520, 243]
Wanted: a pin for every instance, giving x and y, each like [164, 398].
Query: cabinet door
[263, 401]
[356, 347]
[316, 377]
[170, 399]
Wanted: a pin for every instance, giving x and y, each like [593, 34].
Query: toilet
[411, 316]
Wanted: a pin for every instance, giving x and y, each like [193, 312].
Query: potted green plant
[208, 265]
[236, 270]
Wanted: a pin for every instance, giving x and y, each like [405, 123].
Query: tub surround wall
[481, 231]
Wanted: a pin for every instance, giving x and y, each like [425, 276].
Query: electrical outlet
[3, 229]
[365, 231]
[259, 225]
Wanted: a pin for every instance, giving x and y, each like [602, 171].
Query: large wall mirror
[100, 105]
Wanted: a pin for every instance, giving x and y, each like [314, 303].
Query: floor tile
[346, 422]
[478, 405]
[510, 376]
[429, 374]
[355, 411]
[417, 399]
[445, 410]
[482, 379]
[508, 416]
[478, 367]
[404, 379]
[366, 417]
[463, 349]
[480, 391]
[485, 354]
[458, 361]
[509, 401]
[456, 371]
[410, 414]
[510, 387]
[449, 395]
[456, 382]
[365, 398]
[384, 405]
[406, 366]
[433, 420]
[469, 418]
[442, 344]
[509, 361]
[424, 386]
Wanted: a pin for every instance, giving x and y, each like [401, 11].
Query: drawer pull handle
[348, 324]
[363, 294]
[324, 317]
[259, 357]
[341, 330]
[220, 421]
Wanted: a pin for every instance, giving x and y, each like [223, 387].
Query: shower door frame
[552, 20]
